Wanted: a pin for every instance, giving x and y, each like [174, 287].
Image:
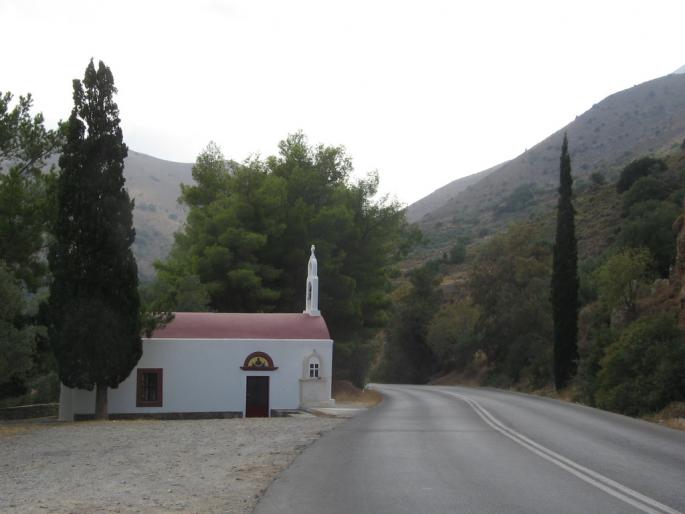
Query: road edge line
[623, 493]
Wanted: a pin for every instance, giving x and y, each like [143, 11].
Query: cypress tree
[565, 279]
[94, 304]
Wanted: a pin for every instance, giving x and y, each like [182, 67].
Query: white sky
[423, 91]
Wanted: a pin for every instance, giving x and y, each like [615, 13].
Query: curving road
[430, 449]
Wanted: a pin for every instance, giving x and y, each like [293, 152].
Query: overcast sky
[423, 91]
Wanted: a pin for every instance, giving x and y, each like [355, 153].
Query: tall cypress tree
[565, 279]
[94, 305]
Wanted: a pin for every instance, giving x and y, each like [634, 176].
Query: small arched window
[313, 368]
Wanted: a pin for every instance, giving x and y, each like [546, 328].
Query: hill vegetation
[492, 322]
[645, 119]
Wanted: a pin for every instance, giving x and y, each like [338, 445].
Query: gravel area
[199, 466]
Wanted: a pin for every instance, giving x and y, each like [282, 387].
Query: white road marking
[626, 494]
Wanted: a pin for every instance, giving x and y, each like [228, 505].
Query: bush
[595, 335]
[649, 225]
[45, 388]
[644, 369]
[520, 198]
[619, 279]
[452, 335]
[638, 169]
[458, 252]
[645, 188]
[598, 178]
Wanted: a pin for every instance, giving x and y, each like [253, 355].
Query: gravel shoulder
[198, 466]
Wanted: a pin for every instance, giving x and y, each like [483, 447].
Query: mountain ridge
[636, 121]
[440, 196]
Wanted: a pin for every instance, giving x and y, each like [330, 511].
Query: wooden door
[257, 397]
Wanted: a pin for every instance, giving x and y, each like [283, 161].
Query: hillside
[441, 196]
[155, 184]
[644, 119]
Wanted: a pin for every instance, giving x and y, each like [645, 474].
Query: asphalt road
[463, 450]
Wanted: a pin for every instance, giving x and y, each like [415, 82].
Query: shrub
[644, 188]
[452, 335]
[458, 252]
[45, 388]
[598, 178]
[595, 335]
[644, 369]
[520, 198]
[649, 225]
[637, 169]
[619, 279]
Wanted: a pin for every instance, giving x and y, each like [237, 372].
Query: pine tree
[94, 304]
[565, 279]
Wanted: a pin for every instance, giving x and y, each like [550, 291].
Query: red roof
[211, 325]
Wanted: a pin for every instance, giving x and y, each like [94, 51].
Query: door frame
[266, 378]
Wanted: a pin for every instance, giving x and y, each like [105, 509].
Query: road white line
[626, 494]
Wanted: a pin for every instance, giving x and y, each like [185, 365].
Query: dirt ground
[198, 466]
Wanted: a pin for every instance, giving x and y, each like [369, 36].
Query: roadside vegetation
[487, 315]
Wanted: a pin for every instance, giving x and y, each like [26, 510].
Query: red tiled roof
[210, 325]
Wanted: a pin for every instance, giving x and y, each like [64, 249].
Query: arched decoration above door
[258, 361]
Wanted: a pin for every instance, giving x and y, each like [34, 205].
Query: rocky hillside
[155, 184]
[644, 119]
[441, 196]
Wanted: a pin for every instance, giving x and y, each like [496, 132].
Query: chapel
[220, 365]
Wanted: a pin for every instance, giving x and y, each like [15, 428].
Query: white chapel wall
[205, 376]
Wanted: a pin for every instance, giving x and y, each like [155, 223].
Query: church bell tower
[312, 302]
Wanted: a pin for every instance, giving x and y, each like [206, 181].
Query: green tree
[649, 225]
[407, 357]
[250, 227]
[182, 293]
[637, 169]
[509, 284]
[453, 334]
[17, 340]
[644, 369]
[25, 199]
[94, 304]
[644, 189]
[598, 178]
[620, 277]
[26, 208]
[565, 281]
[458, 251]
